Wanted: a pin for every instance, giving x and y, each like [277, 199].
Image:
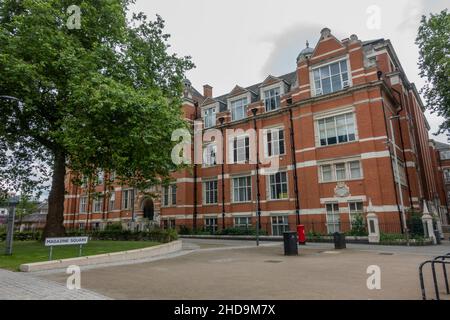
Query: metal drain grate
[273, 261]
[386, 253]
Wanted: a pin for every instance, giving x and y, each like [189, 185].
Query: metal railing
[444, 261]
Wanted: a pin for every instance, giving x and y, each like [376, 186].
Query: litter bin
[339, 240]
[301, 234]
[290, 243]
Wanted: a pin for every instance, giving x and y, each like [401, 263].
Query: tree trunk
[54, 226]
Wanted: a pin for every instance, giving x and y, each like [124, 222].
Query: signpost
[13, 201]
[67, 241]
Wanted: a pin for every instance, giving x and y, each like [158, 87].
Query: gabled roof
[290, 79]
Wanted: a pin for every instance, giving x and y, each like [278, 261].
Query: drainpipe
[258, 202]
[194, 216]
[403, 146]
[221, 120]
[392, 167]
[294, 165]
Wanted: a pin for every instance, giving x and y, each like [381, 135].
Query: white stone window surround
[231, 138]
[265, 141]
[207, 148]
[205, 192]
[311, 69]
[268, 186]
[333, 162]
[203, 109]
[241, 175]
[280, 84]
[247, 95]
[333, 113]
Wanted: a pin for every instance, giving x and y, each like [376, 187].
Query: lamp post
[12, 203]
[221, 120]
[258, 203]
[397, 177]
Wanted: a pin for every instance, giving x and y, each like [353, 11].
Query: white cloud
[240, 42]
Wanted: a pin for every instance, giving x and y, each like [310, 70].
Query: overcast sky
[241, 42]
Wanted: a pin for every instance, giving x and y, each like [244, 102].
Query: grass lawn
[33, 251]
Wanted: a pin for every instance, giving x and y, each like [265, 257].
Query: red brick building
[327, 123]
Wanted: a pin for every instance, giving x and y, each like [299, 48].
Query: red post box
[301, 234]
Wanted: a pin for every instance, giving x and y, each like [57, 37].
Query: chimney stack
[207, 91]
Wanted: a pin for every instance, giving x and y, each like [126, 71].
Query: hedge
[157, 235]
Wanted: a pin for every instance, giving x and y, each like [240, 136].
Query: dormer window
[331, 78]
[272, 99]
[238, 109]
[209, 117]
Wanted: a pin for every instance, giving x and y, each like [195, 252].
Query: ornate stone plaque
[341, 190]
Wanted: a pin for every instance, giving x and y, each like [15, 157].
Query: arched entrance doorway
[149, 209]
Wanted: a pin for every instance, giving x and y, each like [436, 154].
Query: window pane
[336, 83]
[334, 68]
[326, 85]
[355, 170]
[326, 173]
[340, 171]
[343, 66]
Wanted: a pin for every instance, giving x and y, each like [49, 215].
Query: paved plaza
[221, 269]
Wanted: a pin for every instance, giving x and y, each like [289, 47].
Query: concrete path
[20, 286]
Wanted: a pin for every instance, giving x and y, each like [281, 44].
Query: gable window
[331, 78]
[126, 199]
[210, 192]
[170, 195]
[275, 142]
[242, 189]
[341, 171]
[272, 99]
[209, 117]
[278, 186]
[238, 109]
[241, 149]
[337, 129]
[209, 155]
[83, 204]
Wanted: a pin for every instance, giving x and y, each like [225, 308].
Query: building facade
[344, 128]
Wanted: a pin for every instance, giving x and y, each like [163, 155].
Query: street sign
[66, 241]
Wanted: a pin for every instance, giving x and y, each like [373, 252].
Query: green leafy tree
[102, 94]
[433, 40]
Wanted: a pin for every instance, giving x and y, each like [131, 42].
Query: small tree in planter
[415, 224]
[358, 227]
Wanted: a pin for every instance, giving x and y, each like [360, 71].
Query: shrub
[117, 226]
[358, 227]
[235, 231]
[415, 224]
